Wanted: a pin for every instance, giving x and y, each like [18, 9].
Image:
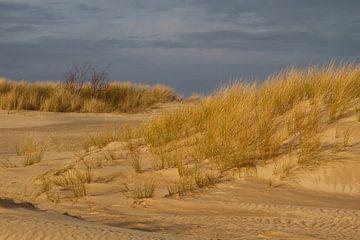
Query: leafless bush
[76, 76]
[100, 78]
[96, 77]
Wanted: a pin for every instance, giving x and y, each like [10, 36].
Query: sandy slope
[239, 210]
[25, 222]
[319, 204]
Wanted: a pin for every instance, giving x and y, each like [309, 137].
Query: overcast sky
[192, 45]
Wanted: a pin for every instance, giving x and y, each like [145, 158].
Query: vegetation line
[85, 89]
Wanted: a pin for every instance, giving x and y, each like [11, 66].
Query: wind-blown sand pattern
[208, 217]
[21, 222]
[324, 205]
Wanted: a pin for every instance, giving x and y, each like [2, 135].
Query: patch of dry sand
[25, 222]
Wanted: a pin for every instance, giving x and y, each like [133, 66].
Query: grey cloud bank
[194, 46]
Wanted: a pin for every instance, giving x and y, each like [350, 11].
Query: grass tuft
[136, 162]
[144, 189]
[181, 186]
[72, 179]
[31, 149]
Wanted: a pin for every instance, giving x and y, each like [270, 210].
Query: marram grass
[56, 97]
[244, 124]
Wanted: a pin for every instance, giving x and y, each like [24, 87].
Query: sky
[195, 46]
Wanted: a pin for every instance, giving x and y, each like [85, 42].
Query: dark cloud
[87, 8]
[276, 11]
[11, 6]
[276, 40]
[25, 13]
[16, 29]
[158, 5]
[192, 45]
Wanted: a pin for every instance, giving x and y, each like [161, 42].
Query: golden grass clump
[99, 139]
[31, 149]
[181, 186]
[136, 162]
[192, 180]
[244, 124]
[303, 125]
[58, 97]
[140, 190]
[69, 178]
[74, 179]
[205, 179]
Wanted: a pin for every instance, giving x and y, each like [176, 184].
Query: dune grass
[58, 97]
[70, 178]
[181, 186]
[140, 190]
[31, 149]
[245, 124]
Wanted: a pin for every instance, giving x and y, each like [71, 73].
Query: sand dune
[319, 204]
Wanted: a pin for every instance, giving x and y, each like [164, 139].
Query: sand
[323, 203]
[20, 221]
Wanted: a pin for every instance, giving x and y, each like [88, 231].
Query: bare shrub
[76, 77]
